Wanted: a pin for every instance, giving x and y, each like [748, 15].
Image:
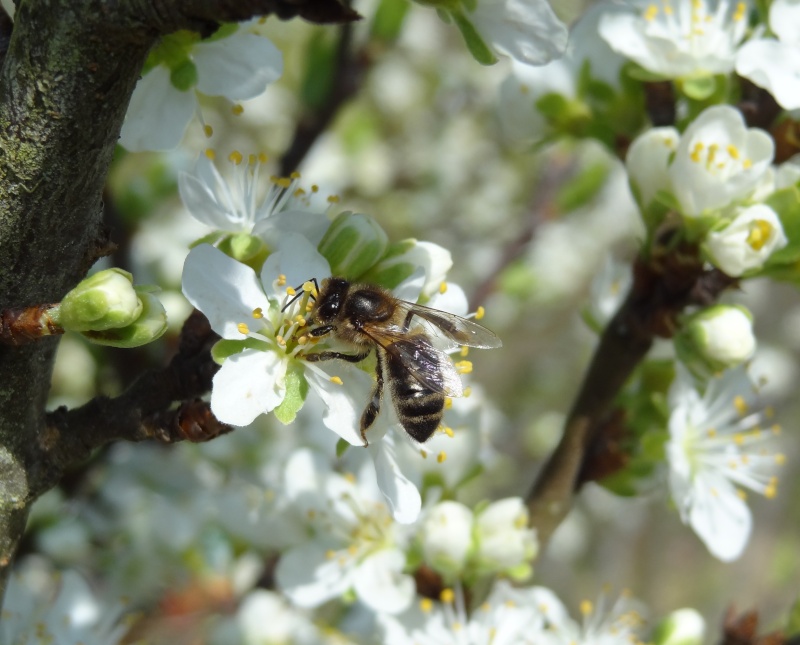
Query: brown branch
[144, 411]
[662, 287]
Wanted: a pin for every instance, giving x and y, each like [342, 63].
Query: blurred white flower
[716, 450]
[723, 336]
[446, 536]
[48, 608]
[647, 163]
[683, 39]
[237, 66]
[504, 543]
[775, 64]
[353, 542]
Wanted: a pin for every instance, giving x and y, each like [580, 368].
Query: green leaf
[699, 89]
[319, 72]
[582, 188]
[793, 624]
[296, 391]
[388, 20]
[786, 203]
[475, 44]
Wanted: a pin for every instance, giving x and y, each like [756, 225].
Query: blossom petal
[775, 66]
[225, 290]
[719, 516]
[525, 30]
[157, 114]
[345, 402]
[238, 67]
[205, 195]
[297, 260]
[247, 384]
[381, 584]
[400, 493]
[310, 577]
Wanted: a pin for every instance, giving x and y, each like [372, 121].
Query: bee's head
[330, 299]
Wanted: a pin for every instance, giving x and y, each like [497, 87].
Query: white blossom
[716, 451]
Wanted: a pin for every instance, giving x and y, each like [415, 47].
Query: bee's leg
[321, 331]
[373, 408]
[329, 356]
[407, 321]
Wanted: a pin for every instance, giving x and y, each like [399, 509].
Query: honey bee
[410, 343]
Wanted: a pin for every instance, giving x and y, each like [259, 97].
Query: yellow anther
[283, 182]
[258, 313]
[281, 279]
[769, 412]
[208, 131]
[760, 232]
[711, 432]
[333, 199]
[251, 159]
[281, 340]
[235, 157]
[485, 606]
[771, 491]
[448, 403]
[712, 153]
[742, 495]
[426, 605]
[651, 12]
[237, 109]
[780, 459]
[456, 626]
[337, 380]
[775, 429]
[464, 350]
[302, 340]
[330, 554]
[262, 157]
[352, 549]
[350, 477]
[294, 175]
[448, 431]
[300, 320]
[738, 439]
[443, 287]
[714, 492]
[467, 391]
[741, 10]
[423, 453]
[210, 153]
[447, 595]
[586, 607]
[747, 164]
[695, 154]
[290, 291]
[464, 367]
[314, 188]
[243, 328]
[740, 404]
[480, 312]
[311, 513]
[733, 151]
[441, 456]
[309, 306]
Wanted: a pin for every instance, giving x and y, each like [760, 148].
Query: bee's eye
[328, 309]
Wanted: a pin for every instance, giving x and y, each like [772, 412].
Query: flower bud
[681, 627]
[747, 242]
[105, 300]
[245, 248]
[446, 537]
[352, 244]
[404, 258]
[716, 339]
[149, 326]
[505, 543]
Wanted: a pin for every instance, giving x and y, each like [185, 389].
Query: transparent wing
[429, 365]
[447, 331]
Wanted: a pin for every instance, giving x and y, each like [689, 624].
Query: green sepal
[638, 73]
[388, 20]
[342, 447]
[699, 88]
[475, 44]
[520, 573]
[212, 239]
[225, 29]
[224, 348]
[245, 248]
[149, 326]
[184, 75]
[353, 244]
[296, 392]
[786, 204]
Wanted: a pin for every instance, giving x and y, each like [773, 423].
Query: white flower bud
[747, 242]
[503, 538]
[446, 536]
[681, 627]
[717, 338]
[105, 300]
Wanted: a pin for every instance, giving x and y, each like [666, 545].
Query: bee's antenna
[299, 294]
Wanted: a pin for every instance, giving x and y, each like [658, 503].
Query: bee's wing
[449, 330]
[429, 365]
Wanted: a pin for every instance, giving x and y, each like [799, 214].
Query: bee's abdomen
[418, 408]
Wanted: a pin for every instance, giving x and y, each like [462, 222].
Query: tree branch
[65, 84]
[662, 288]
